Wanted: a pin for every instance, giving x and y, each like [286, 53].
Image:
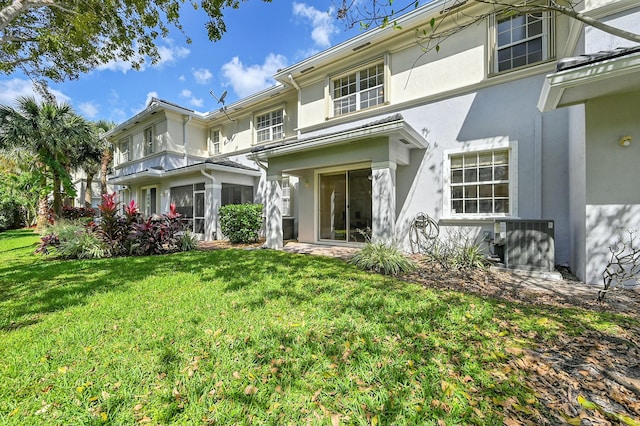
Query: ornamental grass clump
[382, 258]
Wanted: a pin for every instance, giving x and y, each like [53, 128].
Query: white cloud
[169, 54]
[89, 109]
[118, 115]
[12, 89]
[181, 78]
[150, 96]
[246, 80]
[197, 102]
[202, 75]
[322, 22]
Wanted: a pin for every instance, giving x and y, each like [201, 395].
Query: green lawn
[255, 337]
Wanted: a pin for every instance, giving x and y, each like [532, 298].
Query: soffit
[603, 78]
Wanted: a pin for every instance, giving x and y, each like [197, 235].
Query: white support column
[212, 202]
[273, 204]
[383, 198]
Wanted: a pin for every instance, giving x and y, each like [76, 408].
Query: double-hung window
[214, 140]
[481, 183]
[286, 197]
[148, 141]
[522, 40]
[270, 126]
[358, 90]
[125, 153]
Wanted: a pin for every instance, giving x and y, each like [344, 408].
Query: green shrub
[241, 223]
[10, 215]
[382, 258]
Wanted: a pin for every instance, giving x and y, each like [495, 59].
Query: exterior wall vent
[525, 244]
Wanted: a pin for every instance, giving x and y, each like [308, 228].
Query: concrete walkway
[341, 252]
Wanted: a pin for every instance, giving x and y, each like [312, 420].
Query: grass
[243, 337]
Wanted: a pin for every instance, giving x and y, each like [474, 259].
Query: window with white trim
[359, 90]
[522, 40]
[124, 151]
[270, 126]
[148, 141]
[286, 197]
[479, 183]
[214, 142]
[189, 202]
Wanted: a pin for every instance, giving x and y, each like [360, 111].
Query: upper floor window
[125, 152]
[481, 183]
[214, 141]
[522, 40]
[359, 90]
[270, 126]
[148, 141]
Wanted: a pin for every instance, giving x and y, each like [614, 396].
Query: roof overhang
[397, 131]
[154, 175]
[577, 85]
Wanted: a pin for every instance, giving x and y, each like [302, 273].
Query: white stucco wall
[612, 184]
[597, 40]
[577, 195]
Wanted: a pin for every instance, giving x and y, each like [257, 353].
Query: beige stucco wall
[612, 179]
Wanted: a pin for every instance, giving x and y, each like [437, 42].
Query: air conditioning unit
[525, 244]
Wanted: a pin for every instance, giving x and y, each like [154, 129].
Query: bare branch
[10, 13]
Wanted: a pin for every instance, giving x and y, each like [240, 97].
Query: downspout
[213, 228]
[297, 87]
[259, 164]
[184, 139]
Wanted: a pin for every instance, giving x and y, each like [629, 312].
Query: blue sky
[260, 38]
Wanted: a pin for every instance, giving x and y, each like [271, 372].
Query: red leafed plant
[173, 212]
[131, 209]
[109, 204]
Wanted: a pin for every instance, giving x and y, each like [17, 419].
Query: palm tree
[93, 155]
[106, 158]
[53, 133]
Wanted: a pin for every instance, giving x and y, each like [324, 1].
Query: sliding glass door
[345, 205]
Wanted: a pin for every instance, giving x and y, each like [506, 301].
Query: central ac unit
[525, 244]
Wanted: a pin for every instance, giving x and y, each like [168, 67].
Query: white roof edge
[155, 105]
[408, 20]
[609, 8]
[382, 129]
[186, 169]
[244, 102]
[555, 84]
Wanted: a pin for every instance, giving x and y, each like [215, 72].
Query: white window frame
[286, 197]
[356, 73]
[214, 145]
[547, 36]
[149, 140]
[145, 194]
[124, 156]
[271, 129]
[512, 148]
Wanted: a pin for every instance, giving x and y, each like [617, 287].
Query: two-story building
[377, 131]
